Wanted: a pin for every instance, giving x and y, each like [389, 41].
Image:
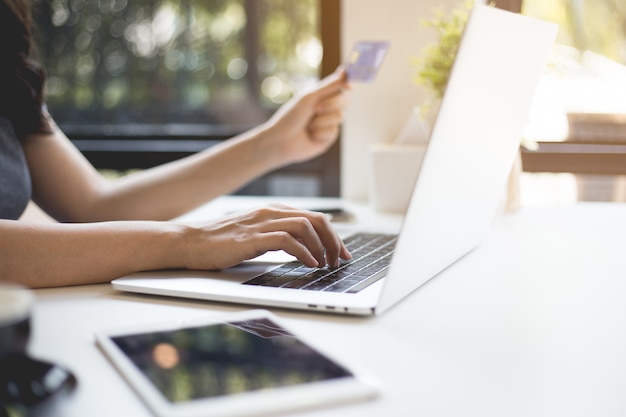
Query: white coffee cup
[16, 304]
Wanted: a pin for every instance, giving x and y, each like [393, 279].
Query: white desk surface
[532, 323]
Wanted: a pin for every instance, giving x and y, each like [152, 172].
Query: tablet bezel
[268, 401]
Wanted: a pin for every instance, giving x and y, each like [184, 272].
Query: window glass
[583, 95]
[174, 66]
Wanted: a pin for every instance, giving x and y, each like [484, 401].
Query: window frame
[574, 156]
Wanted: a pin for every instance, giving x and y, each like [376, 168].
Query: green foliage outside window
[175, 61]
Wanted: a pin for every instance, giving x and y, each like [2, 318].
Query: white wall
[377, 111]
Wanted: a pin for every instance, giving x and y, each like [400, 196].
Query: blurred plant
[432, 70]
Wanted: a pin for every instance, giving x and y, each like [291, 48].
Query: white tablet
[240, 364]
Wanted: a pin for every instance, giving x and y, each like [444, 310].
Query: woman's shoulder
[6, 128]
[15, 185]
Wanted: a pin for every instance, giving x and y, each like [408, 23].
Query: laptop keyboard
[371, 255]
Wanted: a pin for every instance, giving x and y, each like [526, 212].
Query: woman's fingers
[333, 103]
[329, 121]
[331, 84]
[302, 230]
[312, 229]
[307, 235]
[326, 122]
[282, 240]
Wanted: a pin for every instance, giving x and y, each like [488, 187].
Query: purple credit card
[365, 59]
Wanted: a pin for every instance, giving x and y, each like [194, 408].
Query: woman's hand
[309, 124]
[233, 239]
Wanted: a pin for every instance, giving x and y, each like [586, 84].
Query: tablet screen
[225, 358]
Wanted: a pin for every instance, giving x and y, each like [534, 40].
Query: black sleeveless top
[15, 185]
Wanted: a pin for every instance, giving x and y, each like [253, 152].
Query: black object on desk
[25, 382]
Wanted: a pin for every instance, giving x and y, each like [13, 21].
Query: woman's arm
[57, 254]
[70, 189]
[67, 187]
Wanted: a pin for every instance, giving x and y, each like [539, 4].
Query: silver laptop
[472, 147]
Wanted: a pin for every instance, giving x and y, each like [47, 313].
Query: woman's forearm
[67, 187]
[47, 255]
[172, 189]
[56, 254]
[302, 129]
